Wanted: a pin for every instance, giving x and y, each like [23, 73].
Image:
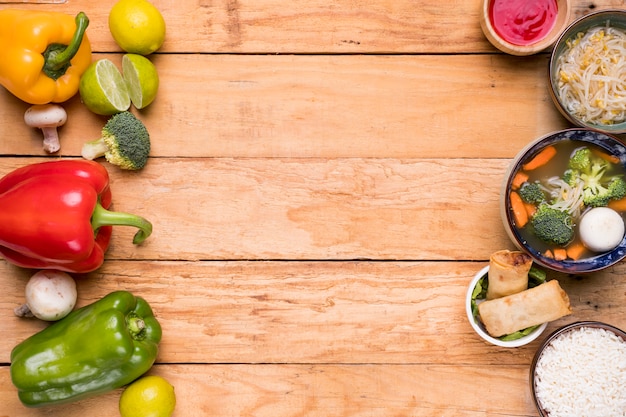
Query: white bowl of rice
[580, 370]
[588, 71]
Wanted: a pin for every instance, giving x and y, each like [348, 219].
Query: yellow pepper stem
[57, 56]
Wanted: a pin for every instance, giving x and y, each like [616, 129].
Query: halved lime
[103, 89]
[142, 79]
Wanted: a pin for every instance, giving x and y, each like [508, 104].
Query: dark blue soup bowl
[610, 145]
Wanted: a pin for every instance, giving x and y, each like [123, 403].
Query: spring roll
[538, 305]
[508, 273]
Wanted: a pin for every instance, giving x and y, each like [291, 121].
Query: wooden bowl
[562, 20]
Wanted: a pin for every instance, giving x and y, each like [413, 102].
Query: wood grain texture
[309, 208]
[318, 339]
[315, 26]
[323, 183]
[319, 391]
[315, 312]
[287, 106]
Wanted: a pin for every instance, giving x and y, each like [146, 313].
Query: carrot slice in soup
[519, 179]
[530, 209]
[609, 158]
[560, 254]
[575, 250]
[540, 159]
[618, 205]
[519, 210]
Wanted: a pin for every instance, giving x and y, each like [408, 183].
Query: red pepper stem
[57, 57]
[103, 217]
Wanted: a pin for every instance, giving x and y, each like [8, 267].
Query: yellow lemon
[137, 26]
[149, 396]
[142, 79]
[102, 88]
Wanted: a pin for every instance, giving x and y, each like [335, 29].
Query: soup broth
[546, 174]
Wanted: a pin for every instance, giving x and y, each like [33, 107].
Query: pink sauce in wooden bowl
[523, 22]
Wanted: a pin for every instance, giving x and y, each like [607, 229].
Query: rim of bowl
[584, 23]
[561, 21]
[595, 263]
[480, 330]
[555, 334]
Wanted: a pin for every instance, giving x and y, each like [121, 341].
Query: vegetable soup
[556, 187]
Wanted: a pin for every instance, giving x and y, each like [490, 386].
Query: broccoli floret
[581, 159]
[571, 177]
[531, 192]
[125, 142]
[617, 188]
[592, 200]
[595, 188]
[552, 225]
[590, 169]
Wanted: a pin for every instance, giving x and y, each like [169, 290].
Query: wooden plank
[319, 391]
[325, 106]
[384, 209]
[317, 26]
[314, 312]
[271, 163]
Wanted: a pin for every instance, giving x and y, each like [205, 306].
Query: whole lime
[137, 26]
[149, 396]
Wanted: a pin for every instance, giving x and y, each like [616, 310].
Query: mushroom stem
[51, 143]
[47, 117]
[23, 311]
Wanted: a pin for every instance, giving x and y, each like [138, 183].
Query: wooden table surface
[323, 184]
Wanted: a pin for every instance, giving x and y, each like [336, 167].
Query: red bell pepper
[53, 215]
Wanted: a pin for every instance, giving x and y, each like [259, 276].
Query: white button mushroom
[47, 117]
[601, 229]
[50, 295]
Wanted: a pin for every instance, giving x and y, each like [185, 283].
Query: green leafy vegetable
[519, 334]
[536, 276]
[479, 293]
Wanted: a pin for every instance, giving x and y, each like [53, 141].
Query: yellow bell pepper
[43, 54]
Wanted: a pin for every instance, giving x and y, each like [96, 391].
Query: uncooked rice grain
[582, 373]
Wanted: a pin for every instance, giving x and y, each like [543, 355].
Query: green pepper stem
[135, 326]
[57, 56]
[103, 217]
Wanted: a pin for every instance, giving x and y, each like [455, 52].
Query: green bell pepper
[95, 349]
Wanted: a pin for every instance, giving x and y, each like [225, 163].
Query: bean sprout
[591, 76]
[563, 196]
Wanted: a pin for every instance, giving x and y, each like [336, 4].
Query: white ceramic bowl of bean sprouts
[588, 71]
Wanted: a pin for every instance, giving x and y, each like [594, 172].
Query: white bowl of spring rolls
[563, 200]
[509, 303]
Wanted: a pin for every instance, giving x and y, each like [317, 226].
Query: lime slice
[103, 90]
[142, 79]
